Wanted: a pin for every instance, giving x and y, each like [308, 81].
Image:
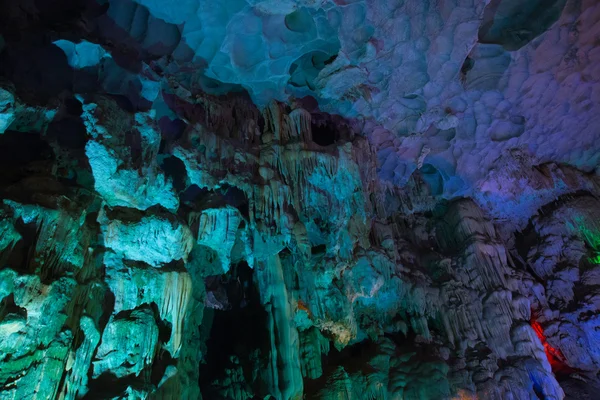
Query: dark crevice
[22, 155]
[561, 200]
[354, 359]
[240, 330]
[69, 133]
[171, 131]
[195, 198]
[175, 169]
[9, 310]
[21, 255]
[108, 305]
[162, 360]
[73, 107]
[134, 215]
[324, 134]
[123, 102]
[39, 72]
[524, 240]
[319, 249]
[108, 385]
[133, 140]
[467, 66]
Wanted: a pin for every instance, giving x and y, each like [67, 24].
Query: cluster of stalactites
[287, 128]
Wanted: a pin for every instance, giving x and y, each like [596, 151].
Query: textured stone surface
[325, 199]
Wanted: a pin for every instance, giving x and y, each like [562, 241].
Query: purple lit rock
[237, 199]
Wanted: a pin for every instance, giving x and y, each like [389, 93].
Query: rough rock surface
[329, 199]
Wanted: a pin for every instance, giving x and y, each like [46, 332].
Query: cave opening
[238, 340]
[171, 130]
[196, 198]
[23, 155]
[324, 134]
[352, 358]
[9, 310]
[318, 249]
[69, 132]
[175, 169]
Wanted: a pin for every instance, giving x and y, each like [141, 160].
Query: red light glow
[555, 356]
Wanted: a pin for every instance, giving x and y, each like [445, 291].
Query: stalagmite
[288, 199]
[217, 229]
[79, 361]
[285, 372]
[134, 337]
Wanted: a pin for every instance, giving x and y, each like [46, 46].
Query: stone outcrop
[438, 305]
[179, 219]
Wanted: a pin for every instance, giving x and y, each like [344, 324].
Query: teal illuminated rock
[321, 199]
[7, 109]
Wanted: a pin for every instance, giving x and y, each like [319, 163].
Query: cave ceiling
[328, 199]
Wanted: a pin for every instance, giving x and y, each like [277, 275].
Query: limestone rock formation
[321, 199]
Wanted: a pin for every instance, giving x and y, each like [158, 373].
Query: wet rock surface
[180, 220]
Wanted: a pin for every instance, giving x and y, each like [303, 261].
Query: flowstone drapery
[333, 199]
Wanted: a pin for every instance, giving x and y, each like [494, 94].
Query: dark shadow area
[237, 331]
[353, 358]
[320, 249]
[171, 130]
[23, 155]
[236, 198]
[524, 241]
[133, 140]
[579, 386]
[39, 72]
[324, 133]
[10, 311]
[162, 360]
[20, 19]
[69, 132]
[174, 169]
[194, 198]
[467, 66]
[123, 102]
[109, 386]
[194, 194]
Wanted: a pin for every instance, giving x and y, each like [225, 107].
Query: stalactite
[217, 229]
[378, 237]
[285, 357]
[79, 361]
[301, 125]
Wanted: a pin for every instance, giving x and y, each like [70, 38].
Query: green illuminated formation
[299, 199]
[590, 234]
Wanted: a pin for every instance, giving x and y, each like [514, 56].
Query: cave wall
[174, 225]
[118, 286]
